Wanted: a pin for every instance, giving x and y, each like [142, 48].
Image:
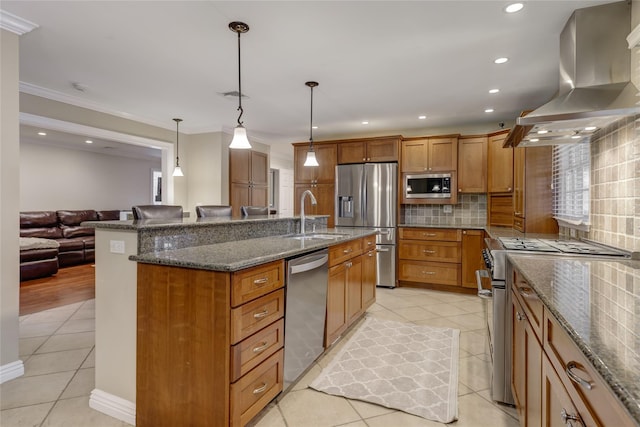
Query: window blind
[570, 180]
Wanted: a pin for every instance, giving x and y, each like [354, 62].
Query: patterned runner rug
[403, 366]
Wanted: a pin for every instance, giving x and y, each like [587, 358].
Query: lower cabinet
[472, 245]
[557, 407]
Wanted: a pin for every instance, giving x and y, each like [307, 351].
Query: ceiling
[386, 62]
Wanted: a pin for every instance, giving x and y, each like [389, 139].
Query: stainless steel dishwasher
[306, 306]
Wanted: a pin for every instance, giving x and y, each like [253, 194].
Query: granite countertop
[597, 302]
[236, 255]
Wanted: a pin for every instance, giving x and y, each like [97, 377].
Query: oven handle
[482, 292]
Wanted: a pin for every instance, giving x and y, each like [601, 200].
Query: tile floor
[57, 349]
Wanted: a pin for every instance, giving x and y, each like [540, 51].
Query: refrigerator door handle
[383, 249]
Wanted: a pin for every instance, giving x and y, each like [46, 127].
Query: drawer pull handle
[576, 379]
[261, 314]
[429, 234]
[260, 389]
[520, 316]
[429, 272]
[568, 419]
[525, 292]
[348, 264]
[371, 253]
[427, 251]
[263, 345]
[261, 281]
[346, 251]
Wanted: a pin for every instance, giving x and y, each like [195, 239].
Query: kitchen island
[221, 245]
[587, 322]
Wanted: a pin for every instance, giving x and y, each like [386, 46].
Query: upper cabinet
[433, 154]
[383, 149]
[323, 174]
[472, 164]
[500, 164]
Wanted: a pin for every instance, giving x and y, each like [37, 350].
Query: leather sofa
[76, 244]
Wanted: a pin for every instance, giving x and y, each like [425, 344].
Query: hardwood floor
[71, 284]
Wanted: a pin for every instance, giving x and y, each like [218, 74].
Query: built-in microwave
[427, 186]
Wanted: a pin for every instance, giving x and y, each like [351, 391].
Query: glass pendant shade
[240, 140]
[177, 171]
[311, 159]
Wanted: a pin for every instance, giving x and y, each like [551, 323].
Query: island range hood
[595, 80]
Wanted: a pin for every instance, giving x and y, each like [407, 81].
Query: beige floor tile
[475, 373]
[309, 376]
[388, 315]
[54, 315]
[270, 418]
[486, 395]
[76, 412]
[29, 330]
[368, 410]
[313, 408]
[28, 346]
[90, 361]
[473, 342]
[354, 424]
[439, 322]
[401, 419]
[469, 321]
[445, 309]
[463, 389]
[473, 306]
[60, 361]
[84, 313]
[81, 384]
[74, 326]
[415, 313]
[60, 342]
[25, 391]
[26, 416]
[475, 412]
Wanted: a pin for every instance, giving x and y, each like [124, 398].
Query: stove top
[558, 246]
[524, 244]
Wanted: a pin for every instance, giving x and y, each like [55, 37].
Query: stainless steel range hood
[595, 73]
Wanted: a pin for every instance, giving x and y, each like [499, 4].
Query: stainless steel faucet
[302, 216]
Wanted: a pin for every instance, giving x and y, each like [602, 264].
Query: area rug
[398, 365]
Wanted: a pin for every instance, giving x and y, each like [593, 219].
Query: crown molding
[15, 24]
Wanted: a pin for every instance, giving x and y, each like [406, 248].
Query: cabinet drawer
[446, 234]
[598, 405]
[250, 352]
[252, 283]
[429, 272]
[255, 315]
[368, 243]
[436, 251]
[251, 393]
[531, 304]
[344, 251]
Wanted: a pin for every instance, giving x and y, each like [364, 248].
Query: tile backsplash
[471, 209]
[615, 186]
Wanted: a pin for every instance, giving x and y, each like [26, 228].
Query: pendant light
[177, 171]
[239, 140]
[311, 155]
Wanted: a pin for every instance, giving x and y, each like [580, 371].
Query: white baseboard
[113, 406]
[11, 370]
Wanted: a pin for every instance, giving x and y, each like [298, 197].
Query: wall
[471, 209]
[53, 178]
[203, 171]
[10, 366]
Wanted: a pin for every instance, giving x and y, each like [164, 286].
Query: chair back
[156, 212]
[254, 210]
[207, 211]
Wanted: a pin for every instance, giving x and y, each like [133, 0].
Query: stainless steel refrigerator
[366, 196]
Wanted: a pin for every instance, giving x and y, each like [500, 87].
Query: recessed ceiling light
[365, 122]
[501, 60]
[42, 133]
[590, 128]
[534, 140]
[422, 117]
[576, 137]
[543, 131]
[88, 141]
[514, 7]
[494, 90]
[489, 110]
[314, 127]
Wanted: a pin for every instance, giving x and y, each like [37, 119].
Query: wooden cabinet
[248, 179]
[472, 245]
[429, 256]
[220, 337]
[472, 164]
[499, 164]
[432, 154]
[533, 196]
[369, 271]
[326, 154]
[324, 194]
[557, 406]
[384, 149]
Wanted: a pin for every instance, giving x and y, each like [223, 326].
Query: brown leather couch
[76, 243]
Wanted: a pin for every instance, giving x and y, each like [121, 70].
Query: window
[570, 180]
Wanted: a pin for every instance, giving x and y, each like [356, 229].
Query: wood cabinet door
[354, 288]
[259, 195]
[382, 151]
[352, 152]
[324, 194]
[369, 271]
[499, 165]
[259, 168]
[239, 170]
[555, 399]
[442, 154]
[303, 174]
[518, 359]
[472, 165]
[327, 155]
[336, 308]
[414, 155]
[472, 244]
[519, 159]
[240, 196]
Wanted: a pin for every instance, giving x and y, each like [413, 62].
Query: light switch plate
[116, 246]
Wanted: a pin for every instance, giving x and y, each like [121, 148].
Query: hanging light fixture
[239, 140]
[177, 171]
[311, 155]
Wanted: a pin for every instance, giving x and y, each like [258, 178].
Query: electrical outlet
[447, 209]
[116, 246]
